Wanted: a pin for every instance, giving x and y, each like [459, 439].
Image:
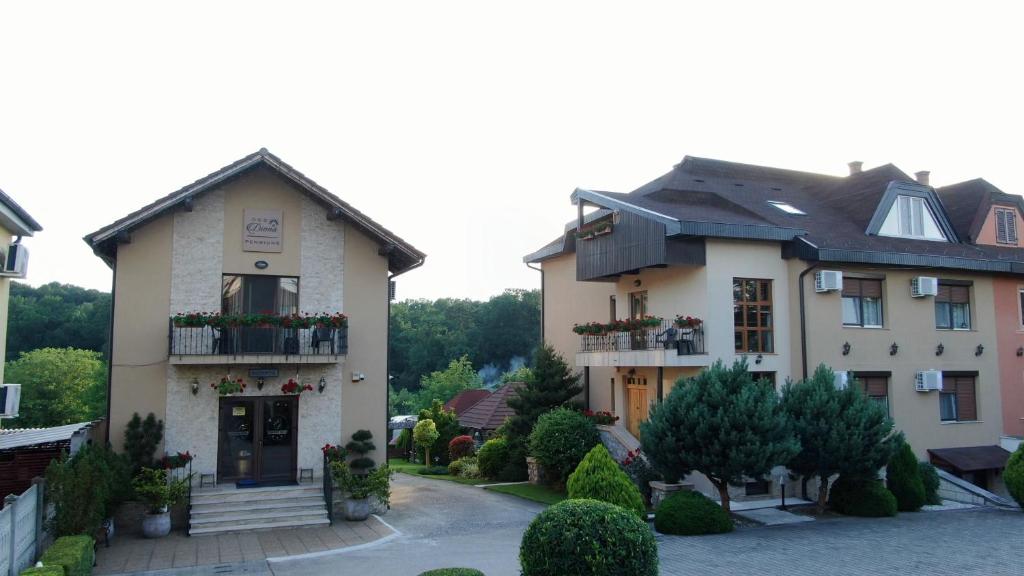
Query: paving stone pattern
[976, 541]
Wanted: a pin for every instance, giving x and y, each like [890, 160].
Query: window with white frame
[1006, 226]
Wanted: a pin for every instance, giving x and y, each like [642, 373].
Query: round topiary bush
[862, 497]
[903, 479]
[689, 513]
[1013, 475]
[560, 440]
[598, 477]
[588, 538]
[930, 481]
[452, 572]
[492, 457]
[460, 447]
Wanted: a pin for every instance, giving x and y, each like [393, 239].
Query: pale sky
[464, 126]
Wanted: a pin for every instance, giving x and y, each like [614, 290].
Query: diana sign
[261, 230]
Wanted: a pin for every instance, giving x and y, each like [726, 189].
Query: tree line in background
[441, 347]
[56, 316]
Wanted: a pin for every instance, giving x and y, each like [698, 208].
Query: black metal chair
[321, 335]
[668, 337]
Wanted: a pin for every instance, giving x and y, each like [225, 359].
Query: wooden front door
[637, 403]
[258, 439]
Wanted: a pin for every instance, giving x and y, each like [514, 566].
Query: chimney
[922, 177]
[856, 167]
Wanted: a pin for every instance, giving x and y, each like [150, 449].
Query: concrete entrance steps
[228, 509]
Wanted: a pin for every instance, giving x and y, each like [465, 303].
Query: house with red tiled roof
[490, 413]
[465, 400]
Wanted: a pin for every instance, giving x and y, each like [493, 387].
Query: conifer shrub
[931, 482]
[361, 445]
[598, 477]
[460, 447]
[588, 538]
[690, 513]
[862, 497]
[1013, 475]
[492, 457]
[903, 479]
[560, 440]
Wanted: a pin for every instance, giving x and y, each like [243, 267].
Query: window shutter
[876, 386]
[851, 287]
[966, 406]
[871, 288]
[1001, 226]
[959, 295]
[944, 293]
[1011, 227]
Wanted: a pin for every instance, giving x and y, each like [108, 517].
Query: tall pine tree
[721, 423]
[553, 385]
[841, 431]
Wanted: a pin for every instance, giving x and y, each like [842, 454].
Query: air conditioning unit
[921, 286]
[17, 261]
[828, 280]
[842, 379]
[10, 399]
[928, 380]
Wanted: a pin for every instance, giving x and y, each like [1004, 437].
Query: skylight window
[787, 207]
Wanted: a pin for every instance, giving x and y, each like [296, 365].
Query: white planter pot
[156, 525]
[357, 509]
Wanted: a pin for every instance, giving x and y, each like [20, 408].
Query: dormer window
[1006, 226]
[787, 207]
[911, 217]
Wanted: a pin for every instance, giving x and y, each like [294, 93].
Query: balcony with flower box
[649, 341]
[219, 339]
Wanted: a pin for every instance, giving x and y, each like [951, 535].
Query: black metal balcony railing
[247, 340]
[667, 336]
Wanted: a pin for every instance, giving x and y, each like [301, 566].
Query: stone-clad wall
[192, 420]
[323, 260]
[197, 255]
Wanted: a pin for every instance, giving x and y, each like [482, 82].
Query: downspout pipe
[803, 318]
[110, 344]
[541, 270]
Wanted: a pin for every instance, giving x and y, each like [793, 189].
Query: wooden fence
[21, 529]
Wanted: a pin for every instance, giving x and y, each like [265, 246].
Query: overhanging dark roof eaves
[551, 250]
[807, 252]
[972, 458]
[20, 212]
[671, 224]
[744, 231]
[413, 257]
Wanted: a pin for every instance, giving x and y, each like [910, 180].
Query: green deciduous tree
[59, 386]
[722, 424]
[841, 431]
[56, 316]
[444, 384]
[447, 424]
[424, 435]
[560, 440]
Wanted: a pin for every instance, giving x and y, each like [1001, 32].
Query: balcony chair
[321, 335]
[668, 337]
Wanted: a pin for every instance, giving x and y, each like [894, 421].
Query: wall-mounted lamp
[1020, 351]
[846, 348]
[195, 386]
[894, 349]
[321, 385]
[979, 350]
[939, 349]
[259, 383]
[758, 359]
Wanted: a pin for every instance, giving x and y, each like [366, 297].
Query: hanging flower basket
[293, 387]
[227, 386]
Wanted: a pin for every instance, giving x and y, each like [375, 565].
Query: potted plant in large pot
[360, 487]
[158, 494]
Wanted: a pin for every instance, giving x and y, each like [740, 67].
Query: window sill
[956, 329]
[962, 422]
[855, 327]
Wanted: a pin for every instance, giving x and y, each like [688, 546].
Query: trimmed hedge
[588, 538]
[930, 481]
[862, 497]
[452, 572]
[598, 477]
[689, 513]
[903, 479]
[492, 457]
[433, 470]
[74, 553]
[560, 440]
[43, 571]
[1013, 475]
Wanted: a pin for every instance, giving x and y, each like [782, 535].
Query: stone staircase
[228, 509]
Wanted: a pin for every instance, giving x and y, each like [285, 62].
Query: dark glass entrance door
[258, 439]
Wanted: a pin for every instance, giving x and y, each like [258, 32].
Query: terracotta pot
[156, 525]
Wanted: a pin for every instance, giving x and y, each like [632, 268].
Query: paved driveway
[443, 524]
[447, 524]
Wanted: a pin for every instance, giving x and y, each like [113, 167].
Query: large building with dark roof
[912, 293]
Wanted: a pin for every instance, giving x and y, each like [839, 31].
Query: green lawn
[542, 494]
[406, 467]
